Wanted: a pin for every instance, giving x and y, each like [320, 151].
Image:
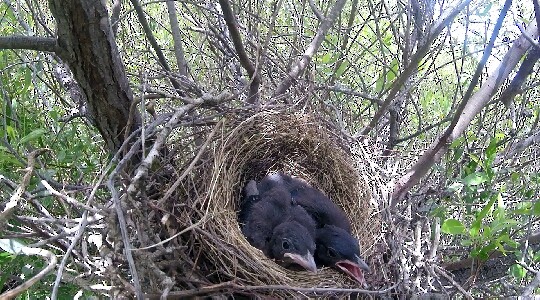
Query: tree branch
[28, 42]
[464, 115]
[412, 67]
[232, 25]
[153, 42]
[298, 68]
[27, 284]
[178, 49]
[86, 43]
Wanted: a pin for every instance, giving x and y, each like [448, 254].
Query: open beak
[305, 261]
[362, 264]
[354, 269]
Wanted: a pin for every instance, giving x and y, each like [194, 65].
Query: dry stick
[69, 199]
[192, 226]
[142, 170]
[140, 173]
[27, 284]
[84, 221]
[442, 272]
[232, 25]
[33, 201]
[533, 285]
[148, 33]
[80, 232]
[202, 149]
[463, 116]
[28, 42]
[234, 287]
[14, 199]
[298, 68]
[125, 238]
[177, 40]
[411, 68]
[118, 205]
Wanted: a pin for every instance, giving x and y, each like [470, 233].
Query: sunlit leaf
[518, 271]
[452, 226]
[455, 187]
[35, 134]
[475, 179]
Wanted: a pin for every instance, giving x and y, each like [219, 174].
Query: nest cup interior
[269, 142]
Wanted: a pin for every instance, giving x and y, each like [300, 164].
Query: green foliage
[488, 220]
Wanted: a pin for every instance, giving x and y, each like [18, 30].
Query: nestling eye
[286, 245]
[332, 252]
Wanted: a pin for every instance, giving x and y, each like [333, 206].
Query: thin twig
[246, 63]
[27, 284]
[234, 287]
[10, 206]
[298, 68]
[442, 272]
[202, 149]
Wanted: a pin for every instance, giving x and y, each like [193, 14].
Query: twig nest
[293, 143]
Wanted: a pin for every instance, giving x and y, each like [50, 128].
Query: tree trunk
[86, 43]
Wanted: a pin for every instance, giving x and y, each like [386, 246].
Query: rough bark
[86, 43]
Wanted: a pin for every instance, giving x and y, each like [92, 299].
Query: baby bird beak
[362, 264]
[306, 261]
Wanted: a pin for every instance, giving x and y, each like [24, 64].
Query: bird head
[292, 244]
[339, 249]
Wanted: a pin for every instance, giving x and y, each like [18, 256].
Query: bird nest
[209, 249]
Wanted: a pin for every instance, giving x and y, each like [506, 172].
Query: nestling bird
[283, 230]
[335, 245]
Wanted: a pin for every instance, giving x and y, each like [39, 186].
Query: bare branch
[525, 69]
[232, 25]
[14, 200]
[316, 11]
[28, 42]
[463, 116]
[148, 32]
[412, 67]
[298, 68]
[27, 284]
[442, 272]
[528, 291]
[178, 49]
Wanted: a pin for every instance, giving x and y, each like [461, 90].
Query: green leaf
[466, 242]
[483, 213]
[499, 225]
[328, 58]
[536, 208]
[515, 177]
[457, 142]
[34, 135]
[11, 133]
[455, 187]
[342, 68]
[491, 150]
[518, 271]
[475, 179]
[536, 256]
[452, 226]
[475, 228]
